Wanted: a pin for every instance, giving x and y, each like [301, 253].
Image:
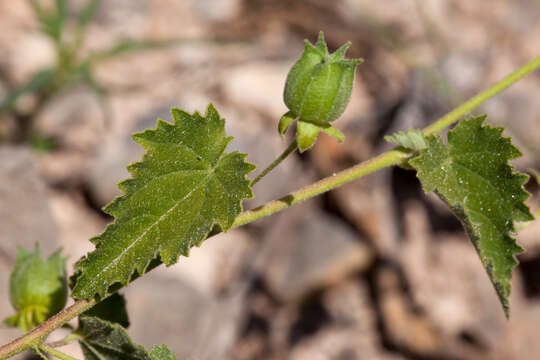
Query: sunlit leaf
[473, 177]
[184, 186]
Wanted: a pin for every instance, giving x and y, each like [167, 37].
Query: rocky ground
[373, 270]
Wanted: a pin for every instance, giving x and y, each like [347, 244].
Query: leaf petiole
[60, 355]
[289, 150]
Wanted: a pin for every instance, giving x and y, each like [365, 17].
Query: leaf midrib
[126, 249]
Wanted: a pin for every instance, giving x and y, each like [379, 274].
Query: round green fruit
[37, 288]
[319, 85]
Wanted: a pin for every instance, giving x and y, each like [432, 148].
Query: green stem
[56, 353]
[477, 100]
[390, 158]
[289, 150]
[38, 351]
[65, 341]
[36, 335]
[387, 159]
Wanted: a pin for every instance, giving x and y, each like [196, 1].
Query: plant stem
[477, 100]
[387, 159]
[35, 336]
[56, 353]
[289, 150]
[40, 353]
[393, 157]
[67, 340]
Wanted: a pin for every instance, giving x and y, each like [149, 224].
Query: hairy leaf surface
[473, 177]
[411, 139]
[184, 186]
[112, 309]
[102, 340]
[162, 353]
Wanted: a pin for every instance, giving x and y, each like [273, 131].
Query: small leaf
[474, 178]
[52, 21]
[412, 139]
[284, 123]
[112, 309]
[333, 132]
[306, 134]
[102, 340]
[184, 186]
[162, 353]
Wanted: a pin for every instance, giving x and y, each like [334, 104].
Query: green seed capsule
[37, 288]
[319, 85]
[317, 91]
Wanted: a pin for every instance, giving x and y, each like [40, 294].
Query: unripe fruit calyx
[37, 288]
[317, 91]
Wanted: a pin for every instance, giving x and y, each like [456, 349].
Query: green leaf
[411, 139]
[184, 186]
[284, 123]
[52, 21]
[473, 177]
[88, 13]
[333, 132]
[306, 134]
[112, 309]
[102, 340]
[162, 353]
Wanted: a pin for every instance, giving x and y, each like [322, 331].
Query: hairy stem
[386, 159]
[65, 341]
[289, 150]
[477, 100]
[390, 158]
[56, 353]
[35, 336]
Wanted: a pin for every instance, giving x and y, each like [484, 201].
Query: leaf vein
[134, 242]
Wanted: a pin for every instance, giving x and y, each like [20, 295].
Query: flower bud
[317, 91]
[37, 288]
[319, 85]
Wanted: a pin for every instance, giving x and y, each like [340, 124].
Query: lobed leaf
[473, 177]
[184, 186]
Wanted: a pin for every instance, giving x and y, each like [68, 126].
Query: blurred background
[372, 270]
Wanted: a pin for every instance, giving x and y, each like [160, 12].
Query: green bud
[37, 288]
[318, 89]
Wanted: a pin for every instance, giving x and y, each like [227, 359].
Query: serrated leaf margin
[502, 287]
[211, 113]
